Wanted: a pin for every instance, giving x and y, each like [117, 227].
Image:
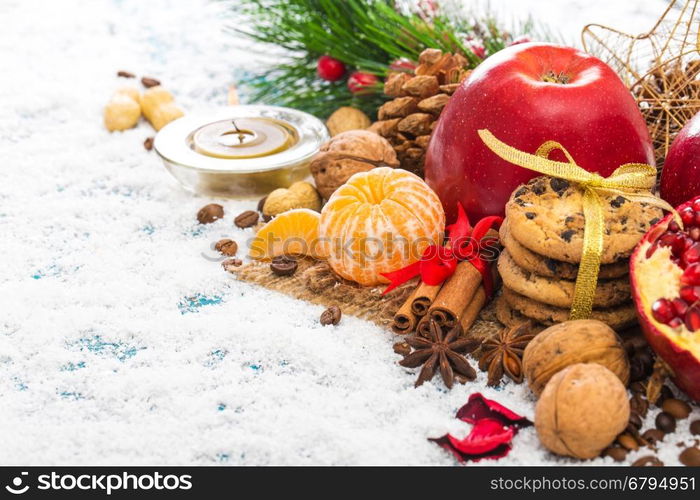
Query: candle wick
[241, 135]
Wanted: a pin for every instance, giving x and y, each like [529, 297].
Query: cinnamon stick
[454, 296]
[404, 319]
[471, 312]
[425, 295]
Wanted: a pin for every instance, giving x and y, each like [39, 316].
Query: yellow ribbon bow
[632, 180]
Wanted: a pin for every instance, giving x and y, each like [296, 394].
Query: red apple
[665, 279]
[680, 177]
[527, 94]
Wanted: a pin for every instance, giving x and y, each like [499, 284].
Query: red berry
[692, 318]
[696, 205]
[691, 275]
[330, 68]
[662, 310]
[403, 65]
[678, 245]
[362, 83]
[687, 216]
[690, 294]
[691, 255]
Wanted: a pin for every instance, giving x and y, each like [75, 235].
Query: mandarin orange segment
[294, 232]
[379, 221]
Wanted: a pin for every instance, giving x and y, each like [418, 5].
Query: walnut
[571, 342]
[349, 153]
[581, 411]
[347, 118]
[434, 104]
[385, 128]
[299, 195]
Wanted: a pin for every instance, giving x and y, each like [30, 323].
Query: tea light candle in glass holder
[241, 151]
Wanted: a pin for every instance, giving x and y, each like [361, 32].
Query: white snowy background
[120, 343]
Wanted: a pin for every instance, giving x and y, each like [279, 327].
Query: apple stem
[551, 77]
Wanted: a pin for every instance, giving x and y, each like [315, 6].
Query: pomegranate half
[665, 278]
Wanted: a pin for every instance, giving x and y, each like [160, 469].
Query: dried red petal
[444, 442]
[478, 407]
[486, 435]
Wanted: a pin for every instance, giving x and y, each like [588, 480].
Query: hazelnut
[571, 342]
[347, 118]
[299, 195]
[581, 411]
[347, 154]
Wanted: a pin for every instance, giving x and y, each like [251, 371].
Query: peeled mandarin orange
[379, 221]
[294, 232]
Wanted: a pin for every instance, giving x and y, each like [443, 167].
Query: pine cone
[408, 120]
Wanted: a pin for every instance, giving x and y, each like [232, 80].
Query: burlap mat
[315, 282]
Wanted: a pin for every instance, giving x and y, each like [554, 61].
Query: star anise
[504, 353]
[441, 351]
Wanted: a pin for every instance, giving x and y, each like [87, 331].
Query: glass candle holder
[240, 151]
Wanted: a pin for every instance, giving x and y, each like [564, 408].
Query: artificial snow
[122, 341]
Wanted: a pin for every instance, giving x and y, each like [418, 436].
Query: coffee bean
[230, 264]
[284, 265]
[665, 422]
[695, 428]
[247, 219]
[647, 461]
[210, 213]
[402, 348]
[261, 203]
[634, 424]
[126, 74]
[690, 457]
[617, 453]
[148, 143]
[653, 436]
[627, 441]
[676, 408]
[331, 316]
[149, 82]
[639, 405]
[227, 247]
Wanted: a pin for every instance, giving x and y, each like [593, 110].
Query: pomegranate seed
[673, 227]
[694, 233]
[680, 306]
[691, 255]
[692, 318]
[690, 294]
[678, 245]
[675, 322]
[691, 275]
[667, 239]
[696, 205]
[696, 219]
[662, 310]
[687, 216]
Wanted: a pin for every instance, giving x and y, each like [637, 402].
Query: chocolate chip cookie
[546, 216]
[557, 292]
[551, 268]
[618, 318]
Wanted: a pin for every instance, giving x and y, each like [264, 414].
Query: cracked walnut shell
[582, 410]
[571, 342]
[347, 154]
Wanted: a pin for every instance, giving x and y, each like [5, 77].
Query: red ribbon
[440, 262]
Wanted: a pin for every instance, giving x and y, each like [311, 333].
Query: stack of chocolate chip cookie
[542, 237]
